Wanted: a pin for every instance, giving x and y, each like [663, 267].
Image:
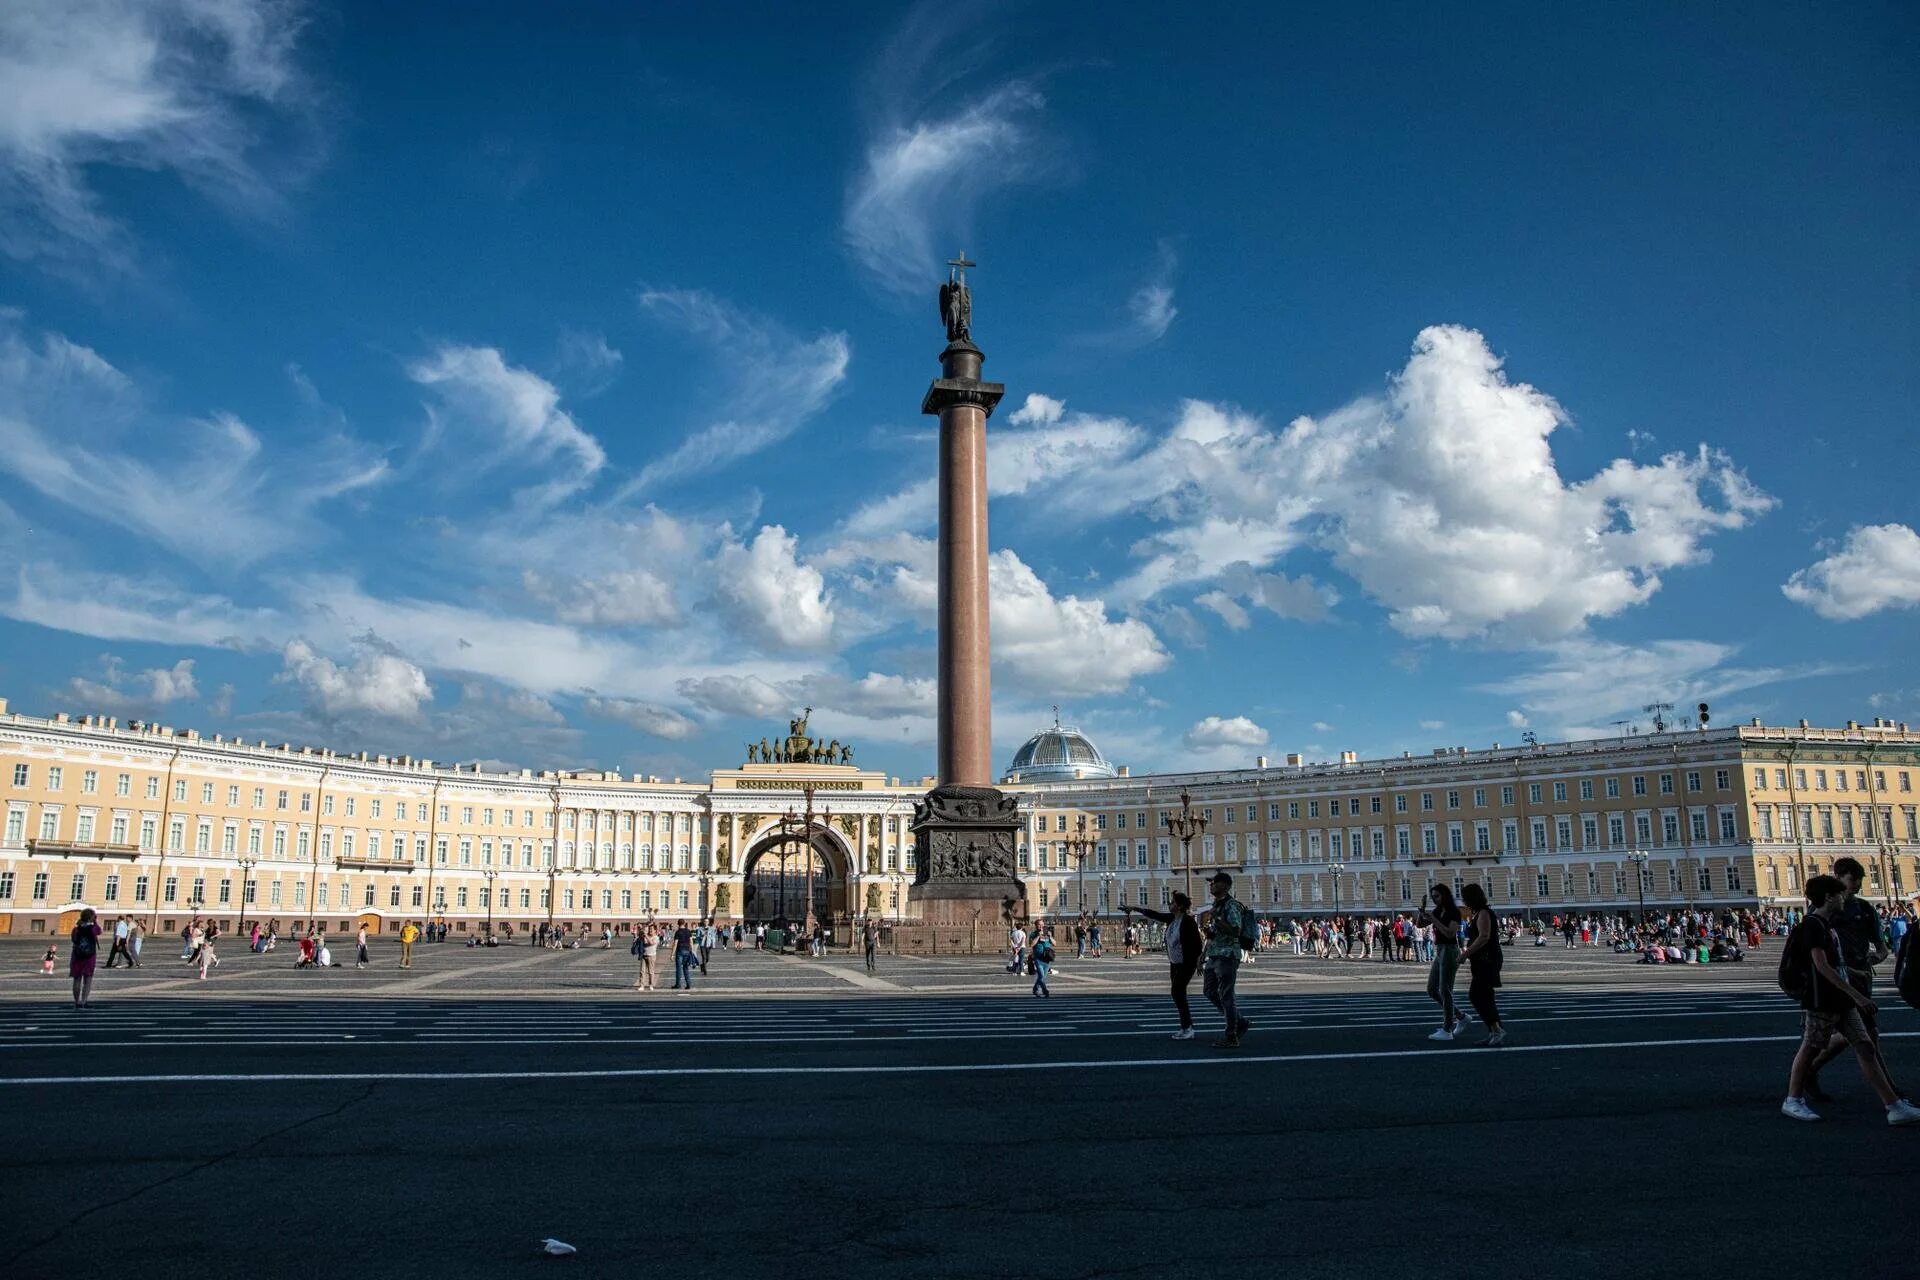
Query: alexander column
[965, 829]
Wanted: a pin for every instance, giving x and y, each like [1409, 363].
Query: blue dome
[1059, 754]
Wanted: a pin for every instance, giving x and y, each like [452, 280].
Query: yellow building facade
[163, 824]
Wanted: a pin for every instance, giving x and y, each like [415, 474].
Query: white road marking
[876, 1069]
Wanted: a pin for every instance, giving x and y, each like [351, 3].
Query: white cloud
[1038, 410]
[1063, 646]
[1150, 309]
[589, 364]
[220, 706]
[623, 598]
[119, 693]
[660, 722]
[1215, 732]
[1433, 725]
[1878, 567]
[74, 428]
[205, 90]
[923, 178]
[111, 607]
[1321, 726]
[774, 382]
[492, 414]
[377, 683]
[736, 695]
[764, 590]
[1517, 720]
[1229, 610]
[1585, 682]
[1441, 498]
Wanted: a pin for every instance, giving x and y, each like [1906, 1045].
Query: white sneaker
[1184, 1033]
[1462, 1017]
[1797, 1109]
[1441, 1034]
[1903, 1112]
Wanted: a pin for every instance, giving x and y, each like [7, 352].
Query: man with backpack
[1812, 971]
[1230, 928]
[1042, 964]
[1862, 946]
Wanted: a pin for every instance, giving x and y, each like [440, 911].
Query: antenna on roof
[1056, 715]
[1659, 720]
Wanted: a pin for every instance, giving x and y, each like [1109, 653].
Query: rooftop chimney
[1349, 757]
[1295, 759]
[1259, 762]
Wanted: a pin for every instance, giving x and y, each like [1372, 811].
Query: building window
[40, 886]
[19, 778]
[140, 887]
[1726, 825]
[112, 891]
[170, 889]
[77, 887]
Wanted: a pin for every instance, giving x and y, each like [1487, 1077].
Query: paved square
[791, 1115]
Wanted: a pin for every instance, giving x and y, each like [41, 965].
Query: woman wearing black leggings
[1483, 957]
[1183, 954]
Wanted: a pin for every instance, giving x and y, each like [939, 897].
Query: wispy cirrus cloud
[494, 413]
[76, 430]
[773, 381]
[210, 91]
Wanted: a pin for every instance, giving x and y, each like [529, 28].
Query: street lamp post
[1339, 869]
[803, 823]
[247, 864]
[1106, 882]
[1080, 848]
[490, 874]
[1185, 826]
[1639, 860]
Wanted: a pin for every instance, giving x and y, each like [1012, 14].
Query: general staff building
[164, 824]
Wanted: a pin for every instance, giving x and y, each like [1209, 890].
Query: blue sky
[483, 385]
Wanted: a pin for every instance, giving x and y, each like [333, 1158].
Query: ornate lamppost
[1080, 848]
[1107, 879]
[1339, 869]
[1638, 858]
[490, 874]
[1185, 825]
[801, 826]
[247, 863]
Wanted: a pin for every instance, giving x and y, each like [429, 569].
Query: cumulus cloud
[77, 430]
[623, 598]
[1237, 731]
[1433, 725]
[773, 382]
[1517, 720]
[208, 91]
[375, 683]
[1064, 645]
[924, 176]
[735, 695]
[1876, 568]
[1441, 498]
[764, 590]
[491, 413]
[648, 718]
[1038, 410]
[119, 692]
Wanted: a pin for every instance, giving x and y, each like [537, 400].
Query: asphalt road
[975, 1132]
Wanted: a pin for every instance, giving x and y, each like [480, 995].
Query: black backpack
[83, 943]
[1906, 968]
[1796, 972]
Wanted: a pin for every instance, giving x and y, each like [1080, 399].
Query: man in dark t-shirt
[1862, 946]
[1833, 1007]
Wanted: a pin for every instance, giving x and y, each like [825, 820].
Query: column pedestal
[966, 838]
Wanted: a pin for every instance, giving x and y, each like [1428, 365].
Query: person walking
[207, 957]
[119, 944]
[1183, 954]
[1445, 921]
[1042, 965]
[1863, 944]
[682, 956]
[360, 948]
[870, 941]
[408, 936]
[706, 946]
[135, 937]
[85, 940]
[1813, 965]
[1484, 956]
[643, 944]
[1224, 923]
